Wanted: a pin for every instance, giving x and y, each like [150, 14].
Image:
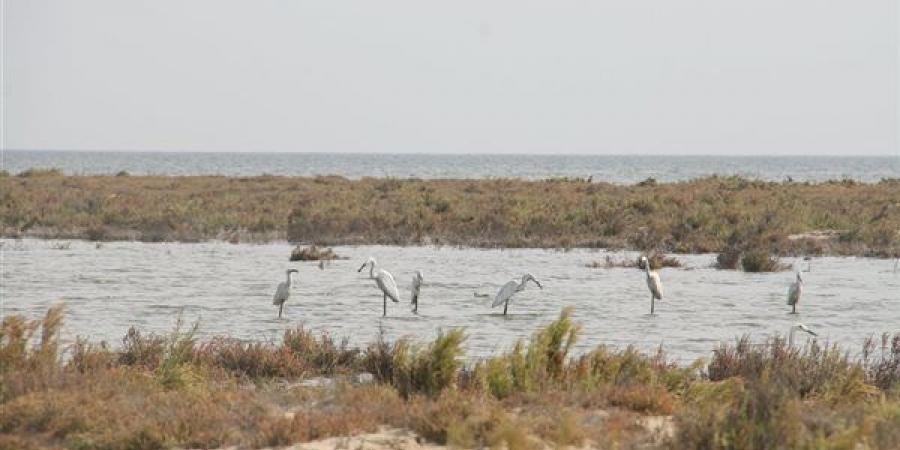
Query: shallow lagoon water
[229, 287]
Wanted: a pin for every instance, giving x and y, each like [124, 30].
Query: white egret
[656, 291]
[283, 292]
[384, 280]
[794, 293]
[801, 327]
[510, 288]
[415, 289]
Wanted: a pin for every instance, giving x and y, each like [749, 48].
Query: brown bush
[313, 253]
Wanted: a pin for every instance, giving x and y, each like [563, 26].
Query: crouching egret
[415, 289]
[510, 288]
[801, 327]
[653, 283]
[283, 292]
[384, 280]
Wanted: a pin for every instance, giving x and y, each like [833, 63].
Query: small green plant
[174, 370]
[430, 369]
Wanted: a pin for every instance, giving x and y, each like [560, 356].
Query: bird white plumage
[794, 293]
[415, 289]
[384, 280]
[505, 293]
[653, 283]
[510, 288]
[283, 292]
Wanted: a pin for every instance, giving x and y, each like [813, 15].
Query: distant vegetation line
[731, 215]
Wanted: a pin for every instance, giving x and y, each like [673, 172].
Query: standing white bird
[384, 280]
[283, 292]
[801, 327]
[415, 289]
[656, 290]
[794, 293]
[510, 288]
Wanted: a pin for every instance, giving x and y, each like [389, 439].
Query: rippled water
[612, 168]
[228, 288]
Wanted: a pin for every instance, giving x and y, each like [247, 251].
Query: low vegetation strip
[171, 391]
[740, 217]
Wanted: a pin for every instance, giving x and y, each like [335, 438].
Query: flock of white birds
[388, 286]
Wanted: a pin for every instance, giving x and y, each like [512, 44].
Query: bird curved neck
[289, 279]
[372, 270]
[522, 284]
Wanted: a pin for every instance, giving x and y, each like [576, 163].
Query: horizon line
[358, 153]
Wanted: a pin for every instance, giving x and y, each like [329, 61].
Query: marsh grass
[773, 395]
[171, 390]
[813, 370]
[713, 214]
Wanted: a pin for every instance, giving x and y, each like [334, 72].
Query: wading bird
[801, 327]
[384, 280]
[794, 293]
[653, 283]
[510, 288]
[283, 292]
[416, 287]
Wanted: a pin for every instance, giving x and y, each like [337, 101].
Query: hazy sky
[625, 76]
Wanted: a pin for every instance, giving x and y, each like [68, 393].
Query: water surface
[229, 289]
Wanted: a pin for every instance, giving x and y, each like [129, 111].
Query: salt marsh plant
[173, 390]
[732, 215]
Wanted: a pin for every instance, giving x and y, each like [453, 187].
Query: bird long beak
[362, 267]
[538, 283]
[811, 332]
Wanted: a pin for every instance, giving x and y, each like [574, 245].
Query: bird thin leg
[280, 307]
[384, 298]
[415, 306]
[794, 308]
[652, 303]
[505, 305]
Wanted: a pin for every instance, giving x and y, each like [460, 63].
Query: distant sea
[612, 168]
